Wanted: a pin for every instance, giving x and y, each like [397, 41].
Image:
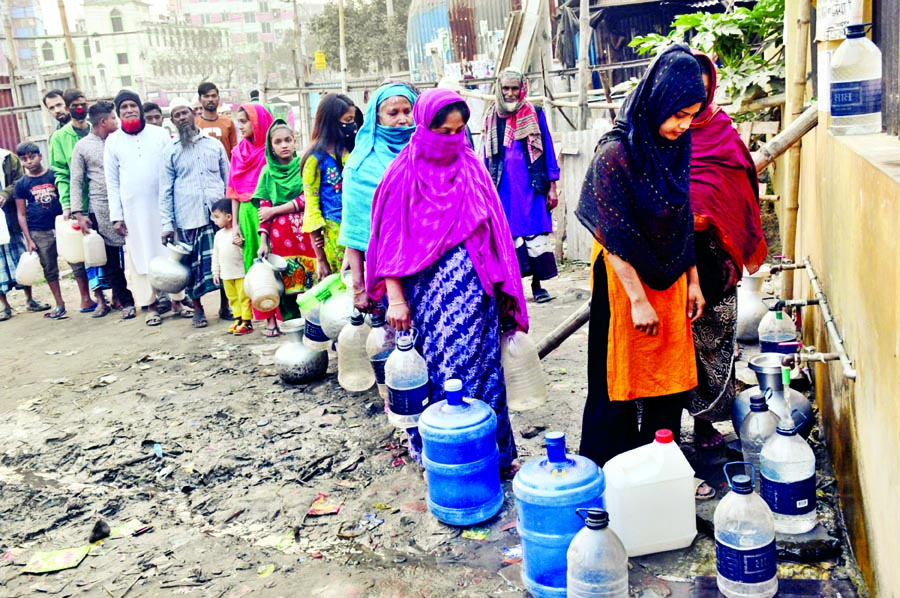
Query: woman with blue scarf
[386, 130]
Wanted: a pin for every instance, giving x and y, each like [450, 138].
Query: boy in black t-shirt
[37, 201]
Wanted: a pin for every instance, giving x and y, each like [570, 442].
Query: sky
[74, 11]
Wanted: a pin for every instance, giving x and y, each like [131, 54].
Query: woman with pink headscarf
[442, 252]
[247, 161]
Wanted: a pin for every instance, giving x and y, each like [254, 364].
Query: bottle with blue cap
[759, 425]
[548, 492]
[856, 85]
[745, 540]
[788, 477]
[408, 386]
[461, 458]
[597, 561]
[354, 370]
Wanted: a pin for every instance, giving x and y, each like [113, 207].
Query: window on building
[115, 18]
[122, 57]
[263, 7]
[249, 17]
[126, 81]
[25, 53]
[47, 52]
[252, 38]
[204, 19]
[886, 14]
[266, 27]
[97, 45]
[269, 47]
[87, 48]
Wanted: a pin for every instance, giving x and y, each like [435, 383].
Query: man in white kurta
[132, 161]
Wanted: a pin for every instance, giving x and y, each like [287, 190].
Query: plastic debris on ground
[322, 506]
[56, 560]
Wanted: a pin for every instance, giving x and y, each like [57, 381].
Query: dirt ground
[89, 405]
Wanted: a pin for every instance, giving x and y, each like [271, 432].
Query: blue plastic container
[548, 491]
[462, 461]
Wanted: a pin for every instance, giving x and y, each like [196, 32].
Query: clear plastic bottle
[758, 427]
[525, 386]
[856, 85]
[406, 377]
[775, 329]
[314, 337]
[335, 312]
[745, 541]
[379, 347]
[354, 370]
[597, 561]
[788, 478]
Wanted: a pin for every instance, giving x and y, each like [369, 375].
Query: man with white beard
[132, 162]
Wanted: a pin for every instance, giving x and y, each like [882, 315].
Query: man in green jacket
[62, 142]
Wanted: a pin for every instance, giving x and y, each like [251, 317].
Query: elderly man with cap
[132, 160]
[193, 177]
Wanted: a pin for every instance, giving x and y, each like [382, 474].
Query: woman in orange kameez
[646, 290]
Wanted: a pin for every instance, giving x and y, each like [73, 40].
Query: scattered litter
[52, 352]
[352, 529]
[126, 529]
[56, 560]
[532, 431]
[233, 516]
[509, 526]
[321, 506]
[262, 423]
[157, 450]
[104, 381]
[476, 533]
[10, 555]
[267, 371]
[265, 570]
[144, 530]
[100, 531]
[285, 542]
[418, 506]
[383, 506]
[511, 554]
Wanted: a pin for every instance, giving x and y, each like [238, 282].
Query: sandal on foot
[184, 312]
[37, 306]
[101, 311]
[164, 306]
[704, 492]
[271, 332]
[508, 473]
[87, 310]
[129, 312]
[153, 319]
[709, 442]
[199, 321]
[57, 314]
[241, 330]
[5, 314]
[234, 326]
[542, 296]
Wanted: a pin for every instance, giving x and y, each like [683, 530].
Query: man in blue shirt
[192, 179]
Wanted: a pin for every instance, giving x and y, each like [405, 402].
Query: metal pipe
[782, 303]
[776, 269]
[794, 358]
[830, 326]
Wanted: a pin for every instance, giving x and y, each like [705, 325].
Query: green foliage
[370, 37]
[739, 38]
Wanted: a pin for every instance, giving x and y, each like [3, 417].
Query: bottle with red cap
[650, 497]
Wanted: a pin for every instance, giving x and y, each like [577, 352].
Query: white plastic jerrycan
[650, 497]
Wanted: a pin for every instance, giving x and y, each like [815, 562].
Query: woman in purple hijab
[442, 252]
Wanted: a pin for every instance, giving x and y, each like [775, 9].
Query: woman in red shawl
[728, 237]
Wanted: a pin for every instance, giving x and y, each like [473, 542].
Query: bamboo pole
[794, 108]
[559, 334]
[584, 37]
[787, 139]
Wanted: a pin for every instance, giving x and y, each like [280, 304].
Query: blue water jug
[548, 491]
[462, 461]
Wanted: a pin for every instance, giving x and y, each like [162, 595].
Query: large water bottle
[777, 333]
[597, 561]
[856, 85]
[406, 377]
[461, 458]
[314, 337]
[788, 478]
[354, 370]
[758, 427]
[379, 347]
[525, 386]
[548, 491]
[745, 541]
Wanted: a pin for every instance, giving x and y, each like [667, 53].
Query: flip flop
[87, 310]
[542, 296]
[36, 306]
[5, 314]
[128, 313]
[184, 312]
[101, 311]
[199, 321]
[271, 332]
[57, 314]
[704, 492]
[709, 443]
[153, 319]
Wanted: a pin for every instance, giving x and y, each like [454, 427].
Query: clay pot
[295, 362]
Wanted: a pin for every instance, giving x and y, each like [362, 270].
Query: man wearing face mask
[193, 177]
[520, 156]
[56, 106]
[62, 142]
[132, 160]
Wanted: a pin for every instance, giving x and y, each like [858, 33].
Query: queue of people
[435, 234]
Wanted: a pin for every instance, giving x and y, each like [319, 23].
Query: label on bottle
[789, 498]
[378, 363]
[315, 333]
[751, 565]
[411, 401]
[856, 98]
